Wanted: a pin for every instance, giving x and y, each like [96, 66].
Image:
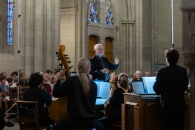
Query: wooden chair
[22, 89]
[29, 119]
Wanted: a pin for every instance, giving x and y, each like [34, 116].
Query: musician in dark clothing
[35, 93]
[115, 101]
[81, 93]
[100, 65]
[171, 83]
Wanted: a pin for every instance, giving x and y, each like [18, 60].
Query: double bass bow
[58, 108]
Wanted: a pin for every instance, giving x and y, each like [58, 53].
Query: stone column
[51, 33]
[188, 8]
[154, 34]
[28, 37]
[81, 34]
[38, 35]
[128, 25]
[139, 36]
[55, 19]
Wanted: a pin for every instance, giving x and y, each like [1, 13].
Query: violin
[58, 108]
[108, 110]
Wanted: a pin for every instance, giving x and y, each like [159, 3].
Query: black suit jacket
[171, 82]
[96, 67]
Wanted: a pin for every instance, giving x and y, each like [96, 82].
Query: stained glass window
[109, 16]
[10, 8]
[93, 11]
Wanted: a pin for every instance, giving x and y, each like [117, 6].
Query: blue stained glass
[109, 18]
[93, 16]
[10, 8]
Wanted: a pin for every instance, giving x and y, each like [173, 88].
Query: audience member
[4, 74]
[12, 77]
[46, 85]
[137, 76]
[22, 80]
[147, 74]
[50, 74]
[4, 89]
[53, 81]
[35, 93]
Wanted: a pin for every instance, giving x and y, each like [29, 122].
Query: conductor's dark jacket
[171, 82]
[96, 67]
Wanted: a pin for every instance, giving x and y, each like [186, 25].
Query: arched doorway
[92, 41]
[108, 48]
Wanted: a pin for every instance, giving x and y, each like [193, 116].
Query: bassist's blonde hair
[83, 66]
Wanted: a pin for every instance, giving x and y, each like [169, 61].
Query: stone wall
[164, 28]
[6, 51]
[38, 34]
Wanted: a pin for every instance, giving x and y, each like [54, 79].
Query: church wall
[164, 29]
[38, 37]
[73, 32]
[147, 36]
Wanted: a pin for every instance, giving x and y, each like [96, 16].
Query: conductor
[100, 65]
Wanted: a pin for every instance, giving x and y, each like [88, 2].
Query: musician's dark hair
[35, 80]
[123, 81]
[172, 55]
[14, 73]
[2, 77]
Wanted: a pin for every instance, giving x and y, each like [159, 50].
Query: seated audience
[57, 72]
[22, 80]
[4, 74]
[12, 77]
[4, 121]
[50, 73]
[147, 74]
[53, 81]
[81, 92]
[45, 84]
[115, 101]
[137, 76]
[35, 93]
[4, 89]
[20, 71]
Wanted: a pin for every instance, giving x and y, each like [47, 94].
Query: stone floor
[16, 126]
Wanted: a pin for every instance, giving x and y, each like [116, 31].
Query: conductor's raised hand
[116, 60]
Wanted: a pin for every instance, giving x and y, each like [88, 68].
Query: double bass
[58, 108]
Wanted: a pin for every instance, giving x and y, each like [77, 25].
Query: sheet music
[149, 83]
[103, 89]
[138, 87]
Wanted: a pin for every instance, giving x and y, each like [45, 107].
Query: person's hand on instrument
[62, 73]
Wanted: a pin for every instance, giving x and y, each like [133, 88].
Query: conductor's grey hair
[96, 46]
